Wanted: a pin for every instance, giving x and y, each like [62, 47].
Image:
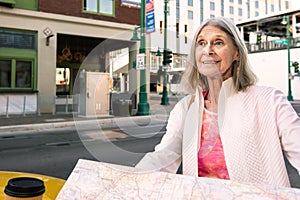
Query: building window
[256, 14]
[240, 2]
[212, 5]
[5, 73]
[240, 12]
[190, 14]
[212, 16]
[16, 74]
[177, 30]
[256, 4]
[272, 8]
[185, 33]
[17, 60]
[177, 3]
[231, 10]
[287, 5]
[190, 2]
[105, 7]
[222, 7]
[17, 39]
[177, 13]
[23, 74]
[201, 11]
[160, 27]
[231, 1]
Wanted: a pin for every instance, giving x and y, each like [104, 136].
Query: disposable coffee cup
[22, 188]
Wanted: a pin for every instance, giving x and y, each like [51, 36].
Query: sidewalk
[14, 123]
[33, 122]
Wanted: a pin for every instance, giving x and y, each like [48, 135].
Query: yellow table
[52, 184]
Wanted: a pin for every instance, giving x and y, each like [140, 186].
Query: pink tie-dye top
[211, 162]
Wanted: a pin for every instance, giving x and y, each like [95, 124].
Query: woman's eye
[200, 43]
[219, 43]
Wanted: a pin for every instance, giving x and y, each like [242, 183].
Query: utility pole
[286, 21]
[165, 98]
[143, 105]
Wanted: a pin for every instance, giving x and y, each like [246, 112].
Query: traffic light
[258, 38]
[167, 59]
[296, 66]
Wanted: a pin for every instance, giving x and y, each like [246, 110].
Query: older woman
[228, 128]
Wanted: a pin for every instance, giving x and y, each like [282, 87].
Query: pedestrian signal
[296, 66]
[258, 38]
[167, 59]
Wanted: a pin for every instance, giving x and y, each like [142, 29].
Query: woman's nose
[208, 49]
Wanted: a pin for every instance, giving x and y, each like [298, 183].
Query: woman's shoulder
[264, 92]
[264, 88]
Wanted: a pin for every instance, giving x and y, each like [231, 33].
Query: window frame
[14, 55]
[231, 10]
[212, 6]
[240, 11]
[13, 76]
[256, 4]
[98, 9]
[190, 14]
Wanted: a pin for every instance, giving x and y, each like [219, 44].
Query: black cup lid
[24, 187]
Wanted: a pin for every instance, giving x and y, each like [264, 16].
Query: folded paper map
[92, 180]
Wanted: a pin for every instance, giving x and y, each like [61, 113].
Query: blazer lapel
[191, 139]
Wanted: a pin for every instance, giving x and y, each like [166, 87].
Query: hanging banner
[150, 18]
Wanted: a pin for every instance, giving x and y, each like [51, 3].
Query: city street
[56, 152]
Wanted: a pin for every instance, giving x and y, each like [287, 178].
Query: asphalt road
[56, 152]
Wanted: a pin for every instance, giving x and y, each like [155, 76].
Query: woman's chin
[210, 71]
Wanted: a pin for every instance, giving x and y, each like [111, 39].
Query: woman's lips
[210, 62]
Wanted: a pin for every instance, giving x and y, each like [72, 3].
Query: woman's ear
[236, 56]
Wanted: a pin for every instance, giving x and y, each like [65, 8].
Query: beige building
[44, 46]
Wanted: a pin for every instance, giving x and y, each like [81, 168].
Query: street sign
[285, 42]
[140, 61]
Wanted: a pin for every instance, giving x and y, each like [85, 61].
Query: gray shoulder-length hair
[242, 75]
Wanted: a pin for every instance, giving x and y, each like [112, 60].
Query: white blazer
[256, 127]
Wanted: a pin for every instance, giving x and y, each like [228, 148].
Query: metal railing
[66, 104]
[271, 46]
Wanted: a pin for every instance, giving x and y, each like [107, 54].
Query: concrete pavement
[18, 123]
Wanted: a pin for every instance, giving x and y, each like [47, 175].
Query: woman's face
[215, 52]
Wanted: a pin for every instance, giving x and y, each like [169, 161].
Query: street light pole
[143, 105]
[288, 37]
[165, 98]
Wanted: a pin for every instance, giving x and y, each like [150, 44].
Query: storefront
[41, 55]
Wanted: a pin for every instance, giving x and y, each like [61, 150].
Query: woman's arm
[167, 154]
[289, 129]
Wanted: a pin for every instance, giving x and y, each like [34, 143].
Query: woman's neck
[212, 98]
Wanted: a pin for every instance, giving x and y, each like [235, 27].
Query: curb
[105, 122]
